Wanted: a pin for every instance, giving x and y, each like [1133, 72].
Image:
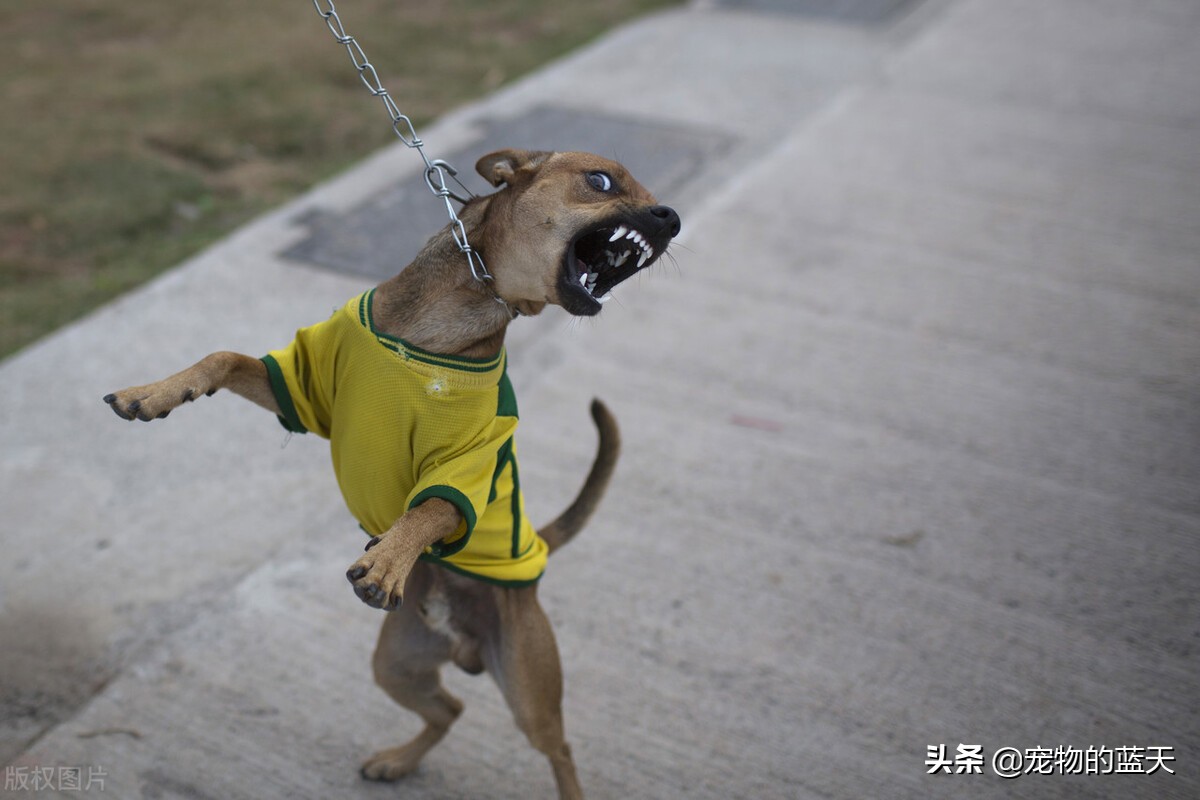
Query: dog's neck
[436, 303]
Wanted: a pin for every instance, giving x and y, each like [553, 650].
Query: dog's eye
[600, 181]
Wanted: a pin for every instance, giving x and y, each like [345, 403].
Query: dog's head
[568, 227]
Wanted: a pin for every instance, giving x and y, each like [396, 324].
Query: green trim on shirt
[516, 509]
[287, 417]
[458, 500]
[503, 456]
[366, 316]
[506, 402]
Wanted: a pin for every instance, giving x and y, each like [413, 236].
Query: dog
[408, 382]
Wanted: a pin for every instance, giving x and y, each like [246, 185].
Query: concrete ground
[911, 444]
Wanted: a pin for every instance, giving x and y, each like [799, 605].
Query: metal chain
[436, 170]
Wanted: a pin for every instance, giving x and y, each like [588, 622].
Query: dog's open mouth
[601, 258]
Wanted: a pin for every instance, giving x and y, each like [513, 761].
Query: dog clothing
[405, 425]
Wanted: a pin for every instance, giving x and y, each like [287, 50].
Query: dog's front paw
[377, 578]
[154, 400]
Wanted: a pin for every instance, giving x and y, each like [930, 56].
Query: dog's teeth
[607, 296]
[622, 258]
[633, 235]
[643, 258]
[618, 233]
[583, 279]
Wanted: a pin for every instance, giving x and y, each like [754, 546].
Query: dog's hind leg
[406, 664]
[522, 656]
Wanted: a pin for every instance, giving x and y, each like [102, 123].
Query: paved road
[911, 440]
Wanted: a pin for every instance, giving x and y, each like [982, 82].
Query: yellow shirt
[405, 425]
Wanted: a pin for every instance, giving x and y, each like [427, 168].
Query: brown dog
[450, 538]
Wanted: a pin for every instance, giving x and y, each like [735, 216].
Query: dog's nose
[670, 219]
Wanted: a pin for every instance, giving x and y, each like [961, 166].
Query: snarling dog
[408, 382]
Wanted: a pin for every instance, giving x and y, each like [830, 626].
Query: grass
[135, 134]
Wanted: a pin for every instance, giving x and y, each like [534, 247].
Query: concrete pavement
[911, 441]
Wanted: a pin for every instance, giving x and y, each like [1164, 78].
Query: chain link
[436, 170]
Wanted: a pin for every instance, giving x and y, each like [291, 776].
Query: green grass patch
[135, 134]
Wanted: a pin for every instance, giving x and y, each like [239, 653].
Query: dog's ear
[503, 166]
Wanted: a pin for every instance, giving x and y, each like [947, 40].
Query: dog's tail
[572, 520]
